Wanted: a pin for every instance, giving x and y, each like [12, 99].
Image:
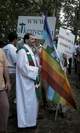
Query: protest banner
[66, 42]
[34, 25]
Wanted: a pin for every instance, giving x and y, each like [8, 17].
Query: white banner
[66, 42]
[34, 25]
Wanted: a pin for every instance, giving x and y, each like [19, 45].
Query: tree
[49, 7]
[9, 12]
[11, 9]
[71, 9]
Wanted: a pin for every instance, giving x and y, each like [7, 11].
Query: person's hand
[39, 69]
[8, 86]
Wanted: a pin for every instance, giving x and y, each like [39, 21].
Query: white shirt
[10, 51]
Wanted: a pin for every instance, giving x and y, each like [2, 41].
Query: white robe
[27, 104]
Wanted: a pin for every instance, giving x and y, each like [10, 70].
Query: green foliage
[9, 12]
[72, 15]
[11, 9]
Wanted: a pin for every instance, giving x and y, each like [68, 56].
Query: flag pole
[58, 58]
[57, 109]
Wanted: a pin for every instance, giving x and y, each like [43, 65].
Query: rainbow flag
[52, 95]
[52, 72]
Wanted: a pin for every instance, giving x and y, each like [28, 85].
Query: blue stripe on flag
[46, 33]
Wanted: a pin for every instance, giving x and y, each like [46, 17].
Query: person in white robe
[27, 103]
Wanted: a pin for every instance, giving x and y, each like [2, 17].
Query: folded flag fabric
[53, 96]
[52, 72]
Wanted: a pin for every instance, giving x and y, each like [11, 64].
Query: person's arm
[24, 67]
[13, 54]
[5, 73]
[7, 80]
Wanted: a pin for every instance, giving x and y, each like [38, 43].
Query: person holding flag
[26, 74]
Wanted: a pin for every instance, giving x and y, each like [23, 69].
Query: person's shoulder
[11, 47]
[26, 45]
[2, 52]
[7, 46]
[21, 50]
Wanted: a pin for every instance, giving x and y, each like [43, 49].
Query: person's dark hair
[2, 44]
[26, 36]
[12, 36]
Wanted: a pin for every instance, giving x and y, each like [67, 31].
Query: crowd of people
[77, 58]
[19, 71]
[19, 67]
